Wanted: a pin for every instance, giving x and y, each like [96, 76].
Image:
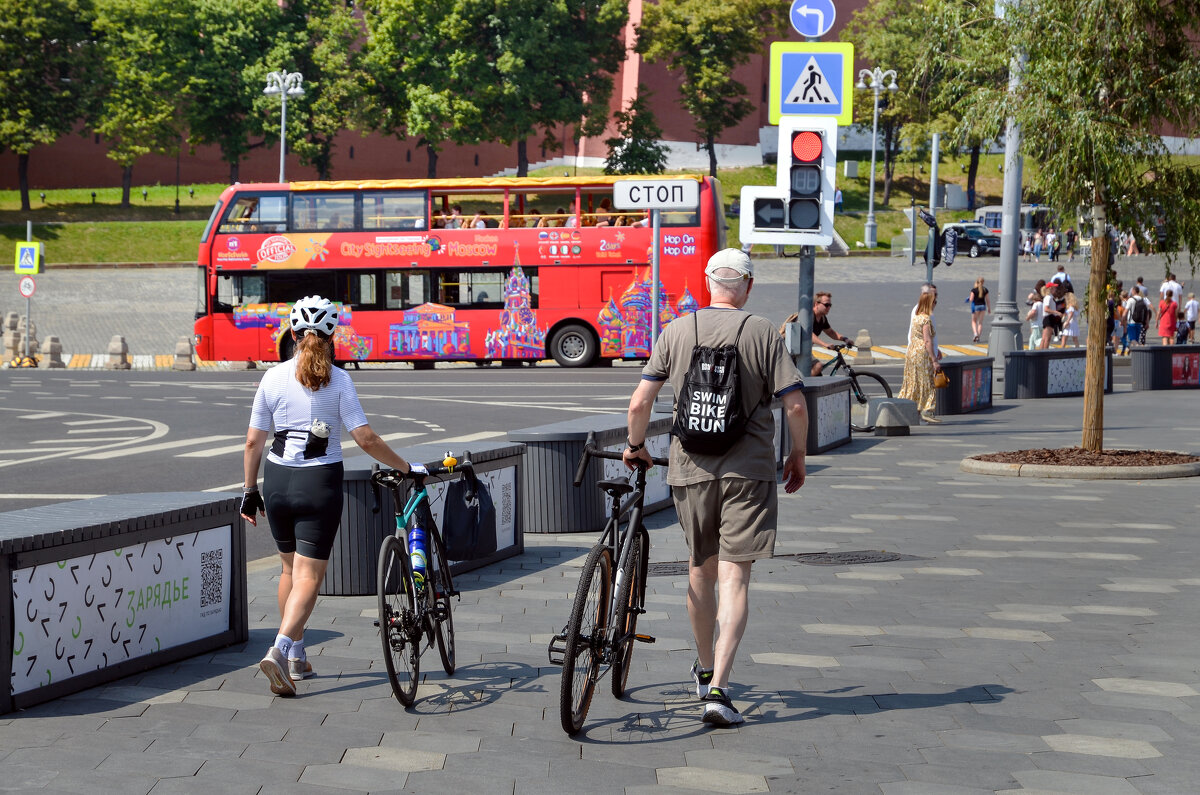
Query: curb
[977, 467]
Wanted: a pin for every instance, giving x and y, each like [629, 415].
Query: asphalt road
[69, 435]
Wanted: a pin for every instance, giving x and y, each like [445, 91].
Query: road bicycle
[411, 611]
[610, 596]
[863, 385]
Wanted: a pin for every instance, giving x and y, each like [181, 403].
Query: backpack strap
[696, 326]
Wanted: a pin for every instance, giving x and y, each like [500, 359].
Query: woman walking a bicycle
[307, 401]
[921, 361]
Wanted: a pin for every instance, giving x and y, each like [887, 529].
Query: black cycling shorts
[304, 507]
[1052, 322]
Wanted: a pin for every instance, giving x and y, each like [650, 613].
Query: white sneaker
[719, 710]
[299, 669]
[275, 666]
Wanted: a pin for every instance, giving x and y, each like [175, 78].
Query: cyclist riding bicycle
[307, 401]
[822, 303]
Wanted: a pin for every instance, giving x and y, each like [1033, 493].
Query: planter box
[970, 386]
[1058, 372]
[96, 590]
[1165, 366]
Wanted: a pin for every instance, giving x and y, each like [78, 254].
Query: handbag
[469, 526]
[941, 380]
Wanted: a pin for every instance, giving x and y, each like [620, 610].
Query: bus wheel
[287, 348]
[573, 346]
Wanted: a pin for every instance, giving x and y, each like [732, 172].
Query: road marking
[43, 416]
[96, 422]
[107, 430]
[472, 437]
[78, 440]
[44, 449]
[150, 448]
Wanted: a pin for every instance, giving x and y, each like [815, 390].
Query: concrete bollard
[893, 416]
[52, 353]
[184, 359]
[862, 348]
[10, 321]
[118, 354]
[246, 365]
[27, 326]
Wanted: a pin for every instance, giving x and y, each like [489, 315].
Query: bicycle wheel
[398, 620]
[442, 614]
[587, 632]
[631, 596]
[863, 387]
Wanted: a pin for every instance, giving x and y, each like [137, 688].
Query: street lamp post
[877, 78]
[285, 84]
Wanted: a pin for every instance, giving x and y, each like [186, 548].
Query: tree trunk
[972, 172]
[710, 142]
[235, 168]
[1097, 295]
[126, 184]
[522, 158]
[431, 169]
[23, 178]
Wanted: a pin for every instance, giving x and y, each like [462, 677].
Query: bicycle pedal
[644, 638]
[557, 649]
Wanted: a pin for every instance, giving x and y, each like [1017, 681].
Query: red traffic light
[807, 146]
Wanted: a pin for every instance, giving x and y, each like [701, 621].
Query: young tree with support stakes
[637, 147]
[1101, 83]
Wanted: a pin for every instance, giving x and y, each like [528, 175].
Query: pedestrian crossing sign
[811, 79]
[29, 258]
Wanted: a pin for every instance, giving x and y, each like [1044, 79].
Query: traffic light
[807, 149]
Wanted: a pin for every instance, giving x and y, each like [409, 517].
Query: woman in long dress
[920, 361]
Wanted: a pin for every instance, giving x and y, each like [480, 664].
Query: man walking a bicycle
[726, 501]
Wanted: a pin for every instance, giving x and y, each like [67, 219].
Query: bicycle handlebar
[591, 450]
[392, 478]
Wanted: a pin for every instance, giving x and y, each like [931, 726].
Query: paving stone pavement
[1038, 636]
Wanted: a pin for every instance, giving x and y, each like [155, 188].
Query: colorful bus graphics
[429, 331]
[624, 323]
[518, 336]
[348, 345]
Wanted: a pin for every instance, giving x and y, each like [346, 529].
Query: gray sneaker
[275, 666]
[719, 710]
[299, 669]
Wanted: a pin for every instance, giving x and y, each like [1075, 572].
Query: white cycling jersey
[283, 403]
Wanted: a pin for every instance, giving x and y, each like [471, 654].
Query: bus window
[238, 289]
[678, 218]
[356, 290]
[286, 287]
[406, 289]
[251, 213]
[392, 210]
[471, 289]
[322, 212]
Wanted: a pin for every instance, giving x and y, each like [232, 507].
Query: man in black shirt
[822, 303]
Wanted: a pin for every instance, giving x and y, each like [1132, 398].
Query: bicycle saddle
[616, 487]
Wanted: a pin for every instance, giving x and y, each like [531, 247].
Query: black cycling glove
[252, 504]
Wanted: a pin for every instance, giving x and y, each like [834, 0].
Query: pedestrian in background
[1070, 332]
[1191, 312]
[981, 304]
[1034, 315]
[727, 503]
[1168, 323]
[921, 360]
[307, 401]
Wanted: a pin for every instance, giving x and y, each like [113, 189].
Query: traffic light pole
[799, 334]
[1005, 335]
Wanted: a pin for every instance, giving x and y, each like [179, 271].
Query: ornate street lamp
[876, 77]
[285, 84]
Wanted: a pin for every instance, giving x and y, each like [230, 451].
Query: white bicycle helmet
[314, 313]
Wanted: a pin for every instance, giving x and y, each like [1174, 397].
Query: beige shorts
[734, 518]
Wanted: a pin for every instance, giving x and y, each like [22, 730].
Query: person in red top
[1167, 322]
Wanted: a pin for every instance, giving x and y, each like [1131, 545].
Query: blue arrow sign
[812, 18]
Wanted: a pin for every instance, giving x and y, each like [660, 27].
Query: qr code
[212, 575]
[506, 505]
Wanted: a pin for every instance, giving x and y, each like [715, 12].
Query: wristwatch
[633, 448]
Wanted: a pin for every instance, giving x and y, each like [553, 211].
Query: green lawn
[78, 228]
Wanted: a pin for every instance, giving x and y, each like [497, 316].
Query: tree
[706, 41]
[419, 80]
[1099, 85]
[47, 74]
[145, 46]
[319, 39]
[552, 63]
[226, 76]
[638, 147]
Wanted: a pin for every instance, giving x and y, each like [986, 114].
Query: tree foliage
[46, 70]
[637, 147]
[706, 41]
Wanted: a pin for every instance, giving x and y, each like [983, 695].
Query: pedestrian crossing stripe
[811, 87]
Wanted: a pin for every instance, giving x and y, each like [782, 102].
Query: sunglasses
[826, 305]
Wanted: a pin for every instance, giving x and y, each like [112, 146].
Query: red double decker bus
[500, 269]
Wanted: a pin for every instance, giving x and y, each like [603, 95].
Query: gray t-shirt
[767, 370]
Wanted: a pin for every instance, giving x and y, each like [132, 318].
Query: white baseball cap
[733, 259]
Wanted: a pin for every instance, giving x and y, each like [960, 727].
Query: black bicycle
[610, 596]
[414, 608]
[863, 385]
